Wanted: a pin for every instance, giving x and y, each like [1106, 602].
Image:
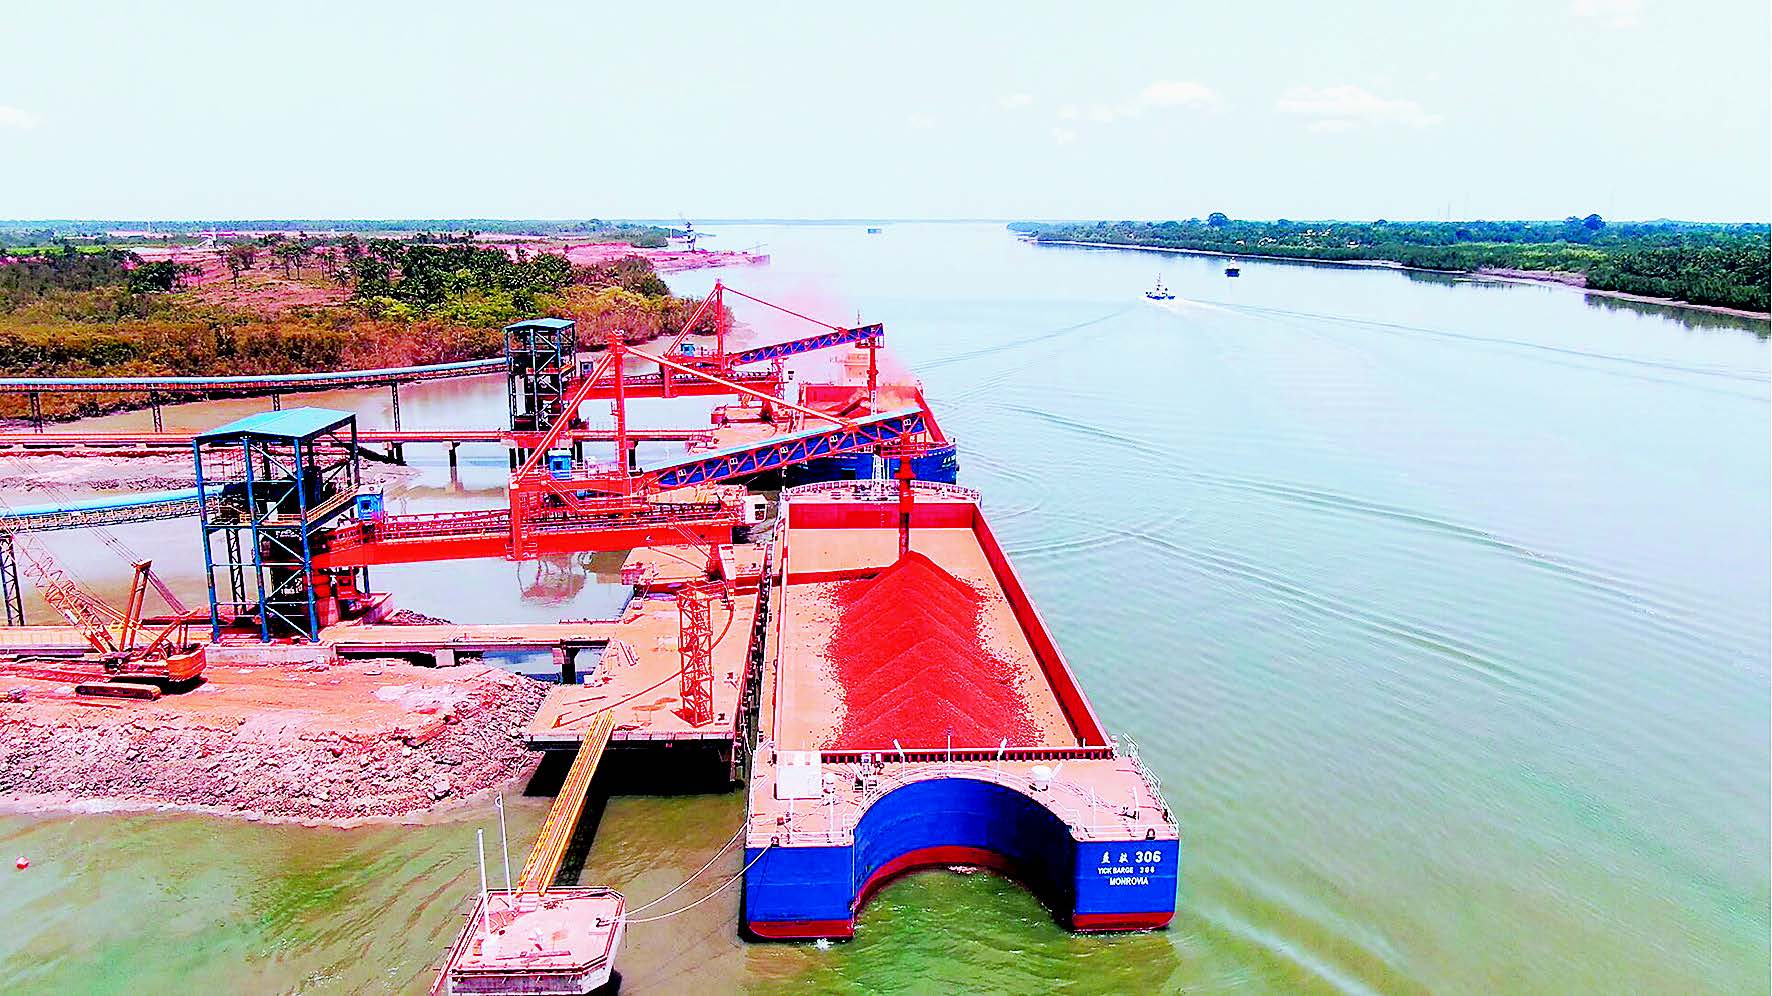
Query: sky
[1408, 110]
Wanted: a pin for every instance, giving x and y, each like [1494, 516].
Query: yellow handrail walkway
[549, 851]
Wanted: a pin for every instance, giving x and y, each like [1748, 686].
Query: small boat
[1231, 271]
[1159, 292]
[873, 231]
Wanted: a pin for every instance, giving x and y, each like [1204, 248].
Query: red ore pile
[910, 656]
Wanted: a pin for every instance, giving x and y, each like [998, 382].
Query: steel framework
[273, 384]
[559, 504]
[541, 361]
[695, 648]
[283, 477]
[9, 589]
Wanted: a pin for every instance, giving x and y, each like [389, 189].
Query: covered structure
[541, 357]
[282, 476]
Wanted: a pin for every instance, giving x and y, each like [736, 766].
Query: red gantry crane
[558, 504]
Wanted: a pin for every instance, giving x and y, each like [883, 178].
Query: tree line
[80, 311]
[69, 269]
[1716, 264]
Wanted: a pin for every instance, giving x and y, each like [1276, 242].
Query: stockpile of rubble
[393, 740]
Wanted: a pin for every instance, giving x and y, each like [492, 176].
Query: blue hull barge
[882, 754]
[939, 463]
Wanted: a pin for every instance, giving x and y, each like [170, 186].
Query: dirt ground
[342, 744]
[266, 288]
[263, 288]
[662, 260]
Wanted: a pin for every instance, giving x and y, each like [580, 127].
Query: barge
[918, 713]
[939, 461]
[563, 942]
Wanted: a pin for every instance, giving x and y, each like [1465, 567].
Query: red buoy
[23, 863]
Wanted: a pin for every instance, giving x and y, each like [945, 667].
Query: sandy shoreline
[1550, 278]
[54, 804]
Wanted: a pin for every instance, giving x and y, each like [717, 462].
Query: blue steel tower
[282, 476]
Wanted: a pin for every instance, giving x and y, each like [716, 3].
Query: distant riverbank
[1557, 278]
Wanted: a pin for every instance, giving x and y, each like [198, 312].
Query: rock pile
[915, 667]
[275, 765]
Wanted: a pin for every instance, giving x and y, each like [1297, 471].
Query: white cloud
[1015, 101]
[1158, 95]
[1063, 136]
[1179, 93]
[1611, 13]
[17, 117]
[1343, 107]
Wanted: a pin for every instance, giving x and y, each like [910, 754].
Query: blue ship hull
[941, 464]
[794, 891]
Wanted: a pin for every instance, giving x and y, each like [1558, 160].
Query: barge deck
[1030, 785]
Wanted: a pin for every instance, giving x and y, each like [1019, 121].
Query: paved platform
[358, 639]
[639, 679]
[663, 568]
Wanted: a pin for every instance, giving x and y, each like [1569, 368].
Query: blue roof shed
[545, 324]
[288, 424]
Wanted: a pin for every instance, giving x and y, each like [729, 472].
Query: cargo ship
[938, 462]
[916, 712]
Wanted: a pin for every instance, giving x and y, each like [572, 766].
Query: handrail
[549, 852]
[1079, 809]
[877, 490]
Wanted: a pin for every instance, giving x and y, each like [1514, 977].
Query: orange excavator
[129, 658]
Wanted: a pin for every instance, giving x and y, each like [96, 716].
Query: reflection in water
[1690, 318]
[555, 579]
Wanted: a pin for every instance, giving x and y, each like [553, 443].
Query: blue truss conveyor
[827, 340]
[782, 451]
[104, 510]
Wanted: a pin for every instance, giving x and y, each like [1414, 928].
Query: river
[1439, 606]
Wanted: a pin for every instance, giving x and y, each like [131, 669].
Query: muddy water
[1439, 607]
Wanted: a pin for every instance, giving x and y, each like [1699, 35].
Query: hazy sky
[1632, 108]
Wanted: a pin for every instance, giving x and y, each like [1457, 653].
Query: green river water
[1440, 607]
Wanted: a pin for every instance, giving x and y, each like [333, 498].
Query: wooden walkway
[549, 851]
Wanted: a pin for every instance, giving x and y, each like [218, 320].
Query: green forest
[78, 310]
[1712, 264]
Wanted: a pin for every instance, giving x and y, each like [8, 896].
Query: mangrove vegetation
[1724, 265]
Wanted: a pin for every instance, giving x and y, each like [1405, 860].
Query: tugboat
[1159, 292]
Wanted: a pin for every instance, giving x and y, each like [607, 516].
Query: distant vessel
[1231, 271]
[873, 231]
[1159, 292]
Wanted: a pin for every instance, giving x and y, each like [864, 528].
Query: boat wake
[1181, 305]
